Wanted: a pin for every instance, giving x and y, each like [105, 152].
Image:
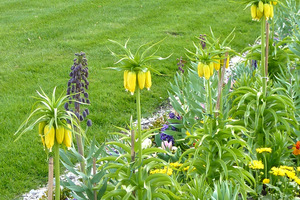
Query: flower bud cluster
[78, 85]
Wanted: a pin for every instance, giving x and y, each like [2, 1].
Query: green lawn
[38, 39]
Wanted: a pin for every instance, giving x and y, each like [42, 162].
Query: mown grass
[38, 41]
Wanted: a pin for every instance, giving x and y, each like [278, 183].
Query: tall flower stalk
[78, 85]
[137, 76]
[54, 127]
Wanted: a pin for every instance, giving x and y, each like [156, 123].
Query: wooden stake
[50, 179]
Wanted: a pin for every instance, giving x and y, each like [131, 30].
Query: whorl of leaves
[78, 85]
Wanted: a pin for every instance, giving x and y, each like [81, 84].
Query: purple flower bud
[66, 106]
[71, 74]
[88, 101]
[73, 67]
[89, 123]
[171, 115]
[84, 114]
[87, 111]
[77, 115]
[86, 95]
[81, 118]
[86, 87]
[69, 83]
[83, 100]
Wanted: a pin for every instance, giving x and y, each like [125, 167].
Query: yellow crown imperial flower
[148, 81]
[261, 6]
[227, 62]
[200, 69]
[141, 79]
[68, 136]
[131, 81]
[206, 71]
[59, 134]
[41, 131]
[211, 67]
[253, 11]
[267, 10]
[49, 136]
[271, 11]
[217, 64]
[259, 14]
[125, 79]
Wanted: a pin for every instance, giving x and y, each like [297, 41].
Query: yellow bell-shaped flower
[141, 79]
[59, 134]
[68, 136]
[206, 70]
[131, 81]
[148, 81]
[49, 136]
[200, 69]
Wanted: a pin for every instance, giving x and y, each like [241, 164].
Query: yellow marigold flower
[266, 181]
[186, 168]
[261, 150]
[290, 174]
[256, 164]
[297, 180]
[287, 168]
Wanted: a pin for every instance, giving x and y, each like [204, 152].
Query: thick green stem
[209, 106]
[56, 169]
[263, 55]
[266, 165]
[139, 132]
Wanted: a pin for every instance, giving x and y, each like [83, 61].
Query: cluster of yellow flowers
[261, 150]
[256, 164]
[131, 77]
[60, 134]
[176, 165]
[165, 170]
[286, 171]
[262, 9]
[207, 70]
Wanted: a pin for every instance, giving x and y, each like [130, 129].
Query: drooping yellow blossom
[141, 79]
[200, 69]
[217, 64]
[259, 14]
[266, 181]
[256, 164]
[267, 10]
[261, 6]
[148, 80]
[261, 150]
[253, 11]
[125, 79]
[131, 81]
[211, 67]
[49, 136]
[271, 11]
[206, 70]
